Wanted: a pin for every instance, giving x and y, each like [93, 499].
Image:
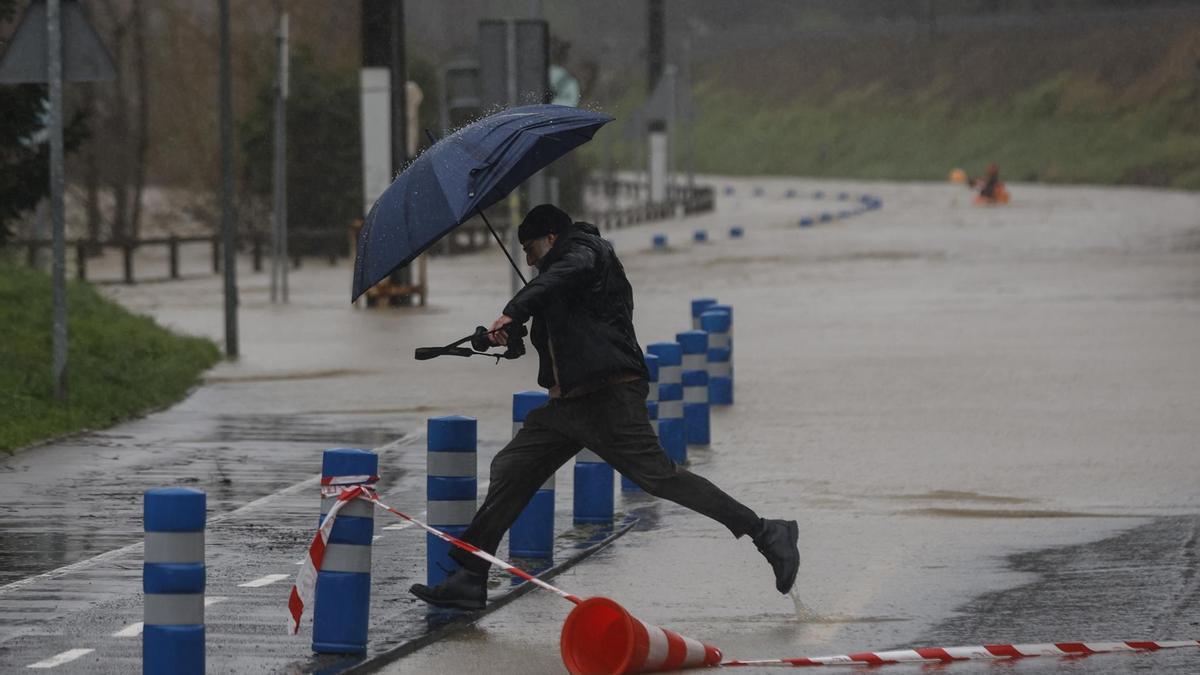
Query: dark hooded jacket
[582, 310]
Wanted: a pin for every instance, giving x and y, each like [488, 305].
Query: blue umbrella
[461, 175]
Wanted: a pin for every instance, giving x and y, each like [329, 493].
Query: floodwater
[983, 419]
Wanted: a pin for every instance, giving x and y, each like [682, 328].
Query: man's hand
[499, 336]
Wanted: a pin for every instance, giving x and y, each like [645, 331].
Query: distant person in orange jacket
[991, 189]
[991, 179]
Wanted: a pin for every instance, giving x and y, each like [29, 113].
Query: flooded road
[984, 420]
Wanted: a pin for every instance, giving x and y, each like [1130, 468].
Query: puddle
[887, 256]
[960, 496]
[284, 377]
[1010, 513]
[378, 411]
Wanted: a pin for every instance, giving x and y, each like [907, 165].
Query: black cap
[543, 220]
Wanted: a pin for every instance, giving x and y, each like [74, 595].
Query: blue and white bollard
[700, 236]
[173, 582]
[532, 533]
[671, 433]
[343, 598]
[806, 222]
[699, 306]
[825, 218]
[696, 419]
[593, 489]
[728, 309]
[660, 242]
[450, 485]
[720, 356]
[651, 410]
[736, 232]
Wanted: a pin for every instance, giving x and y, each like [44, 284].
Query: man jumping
[582, 309]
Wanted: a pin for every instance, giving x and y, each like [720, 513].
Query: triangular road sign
[671, 99]
[84, 57]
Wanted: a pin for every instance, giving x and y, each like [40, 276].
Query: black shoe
[777, 543]
[463, 589]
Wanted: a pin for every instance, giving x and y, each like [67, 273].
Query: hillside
[1110, 98]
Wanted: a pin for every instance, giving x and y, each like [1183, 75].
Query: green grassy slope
[1109, 100]
[119, 364]
[1034, 136]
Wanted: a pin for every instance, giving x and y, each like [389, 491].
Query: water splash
[803, 612]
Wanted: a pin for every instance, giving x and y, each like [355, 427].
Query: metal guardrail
[331, 243]
[688, 200]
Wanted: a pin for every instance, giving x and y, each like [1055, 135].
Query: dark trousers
[611, 422]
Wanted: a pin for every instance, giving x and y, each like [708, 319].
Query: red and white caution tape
[506, 566]
[948, 654]
[348, 488]
[306, 578]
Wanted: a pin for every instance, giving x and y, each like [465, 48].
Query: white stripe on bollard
[450, 464]
[670, 409]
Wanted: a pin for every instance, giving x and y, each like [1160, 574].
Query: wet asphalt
[982, 418]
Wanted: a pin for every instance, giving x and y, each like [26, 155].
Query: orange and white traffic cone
[602, 637]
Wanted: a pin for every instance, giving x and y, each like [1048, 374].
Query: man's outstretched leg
[517, 472]
[614, 425]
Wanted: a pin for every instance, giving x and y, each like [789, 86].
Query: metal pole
[275, 162]
[514, 200]
[58, 266]
[655, 51]
[284, 268]
[691, 115]
[228, 234]
[279, 266]
[398, 62]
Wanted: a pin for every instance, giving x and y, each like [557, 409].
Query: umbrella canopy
[460, 175]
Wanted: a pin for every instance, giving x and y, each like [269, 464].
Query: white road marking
[135, 629]
[411, 439]
[377, 537]
[59, 659]
[132, 630]
[264, 581]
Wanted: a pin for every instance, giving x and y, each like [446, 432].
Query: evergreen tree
[24, 147]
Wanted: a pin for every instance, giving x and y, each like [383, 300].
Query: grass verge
[119, 364]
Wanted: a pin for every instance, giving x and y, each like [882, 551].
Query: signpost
[38, 52]
[228, 226]
[514, 64]
[279, 253]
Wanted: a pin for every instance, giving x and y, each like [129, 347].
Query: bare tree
[116, 159]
